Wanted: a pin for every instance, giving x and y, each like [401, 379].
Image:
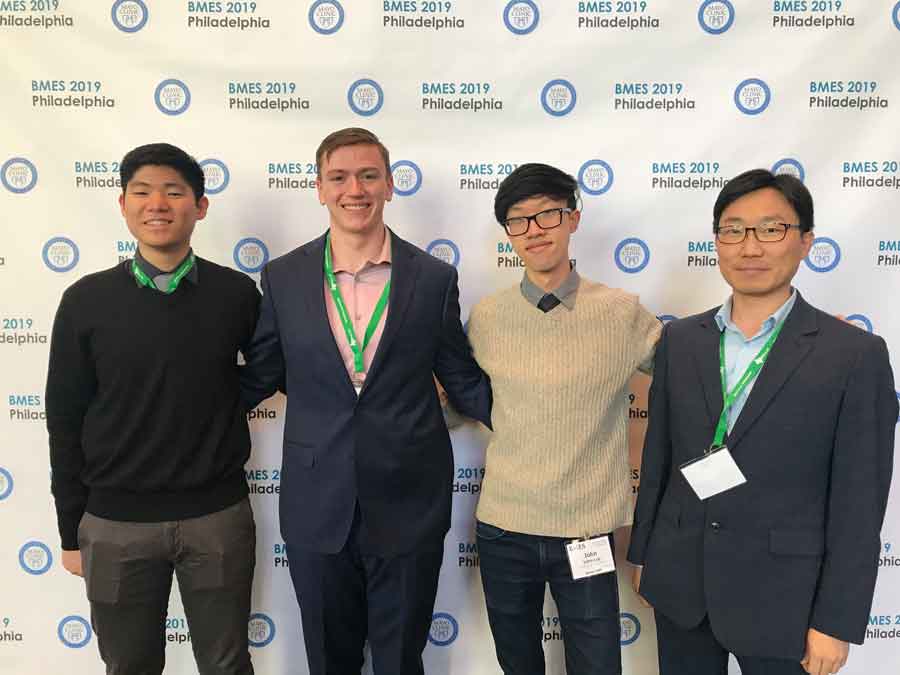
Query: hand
[442, 395]
[636, 585]
[824, 654]
[71, 560]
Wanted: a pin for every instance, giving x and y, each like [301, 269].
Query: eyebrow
[332, 172]
[764, 219]
[169, 184]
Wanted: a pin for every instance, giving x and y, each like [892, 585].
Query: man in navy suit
[767, 460]
[352, 326]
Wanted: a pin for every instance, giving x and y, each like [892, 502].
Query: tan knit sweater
[557, 462]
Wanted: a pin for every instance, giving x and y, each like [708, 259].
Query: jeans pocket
[488, 532]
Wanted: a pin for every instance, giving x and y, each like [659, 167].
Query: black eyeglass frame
[786, 226]
[560, 209]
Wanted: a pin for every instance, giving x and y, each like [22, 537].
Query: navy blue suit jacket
[797, 545]
[387, 449]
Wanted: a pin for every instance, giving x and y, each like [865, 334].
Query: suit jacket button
[715, 525]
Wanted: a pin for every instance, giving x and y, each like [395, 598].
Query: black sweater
[143, 404]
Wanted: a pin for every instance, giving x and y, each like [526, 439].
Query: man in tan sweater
[559, 350]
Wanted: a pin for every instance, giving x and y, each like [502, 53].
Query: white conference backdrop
[651, 104]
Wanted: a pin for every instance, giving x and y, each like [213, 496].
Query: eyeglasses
[546, 220]
[766, 233]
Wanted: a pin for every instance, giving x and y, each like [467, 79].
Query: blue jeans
[515, 568]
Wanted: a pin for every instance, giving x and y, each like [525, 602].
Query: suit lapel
[706, 356]
[404, 270]
[790, 349]
[311, 282]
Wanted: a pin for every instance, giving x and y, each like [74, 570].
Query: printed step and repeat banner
[652, 104]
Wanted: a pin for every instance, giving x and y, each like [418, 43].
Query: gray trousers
[128, 573]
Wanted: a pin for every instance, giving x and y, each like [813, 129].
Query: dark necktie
[548, 302]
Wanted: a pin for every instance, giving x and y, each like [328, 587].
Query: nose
[158, 201]
[533, 229]
[751, 246]
[354, 185]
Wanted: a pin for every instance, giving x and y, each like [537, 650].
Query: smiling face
[759, 269]
[354, 186]
[160, 209]
[544, 251]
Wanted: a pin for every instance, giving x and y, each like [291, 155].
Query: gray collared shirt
[565, 292]
[160, 278]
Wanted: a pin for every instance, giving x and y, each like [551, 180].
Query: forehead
[157, 174]
[535, 204]
[353, 158]
[760, 204]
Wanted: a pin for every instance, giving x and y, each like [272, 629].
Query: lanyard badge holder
[177, 276]
[590, 556]
[716, 471]
[344, 315]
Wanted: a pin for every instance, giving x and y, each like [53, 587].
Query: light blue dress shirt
[740, 351]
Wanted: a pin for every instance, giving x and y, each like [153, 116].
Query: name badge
[589, 557]
[713, 473]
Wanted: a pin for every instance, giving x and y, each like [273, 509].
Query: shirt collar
[383, 257]
[565, 292]
[723, 316]
[152, 271]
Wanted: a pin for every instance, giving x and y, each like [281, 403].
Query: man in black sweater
[148, 437]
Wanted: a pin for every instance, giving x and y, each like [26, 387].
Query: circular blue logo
[791, 167]
[444, 629]
[666, 318]
[752, 96]
[632, 255]
[6, 483]
[215, 176]
[60, 254]
[326, 16]
[630, 629]
[824, 255]
[558, 97]
[896, 15]
[407, 177]
[860, 321]
[521, 16]
[18, 175]
[716, 16]
[260, 630]
[129, 16]
[250, 255]
[445, 250]
[172, 97]
[35, 557]
[595, 177]
[74, 631]
[365, 97]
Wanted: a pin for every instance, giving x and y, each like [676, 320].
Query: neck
[550, 280]
[164, 259]
[353, 249]
[749, 312]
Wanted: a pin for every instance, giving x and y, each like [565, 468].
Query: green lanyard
[380, 306]
[749, 375]
[177, 276]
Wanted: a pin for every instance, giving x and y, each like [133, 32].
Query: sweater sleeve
[71, 384]
[646, 331]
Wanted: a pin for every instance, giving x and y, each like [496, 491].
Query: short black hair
[534, 180]
[791, 187]
[163, 154]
